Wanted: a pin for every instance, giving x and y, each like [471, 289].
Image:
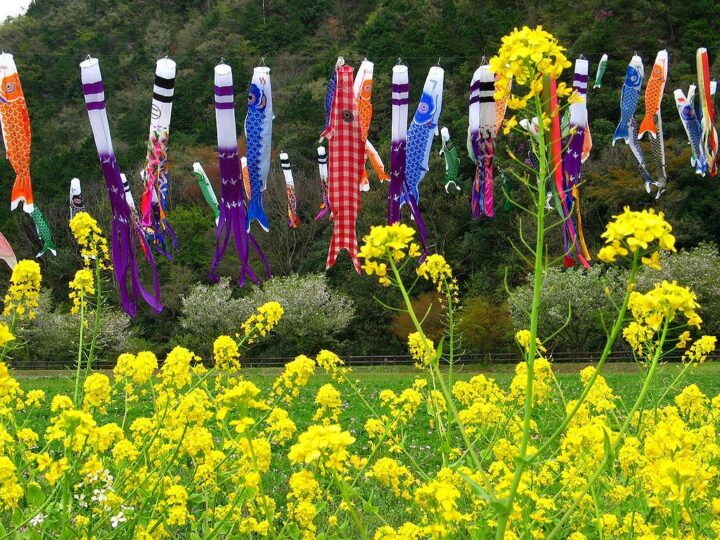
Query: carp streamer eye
[252, 98]
[347, 116]
[423, 108]
[9, 87]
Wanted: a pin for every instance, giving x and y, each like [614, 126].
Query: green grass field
[421, 440]
[625, 379]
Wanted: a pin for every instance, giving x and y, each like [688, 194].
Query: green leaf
[17, 517]
[478, 489]
[34, 495]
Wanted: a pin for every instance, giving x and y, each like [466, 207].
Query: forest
[300, 41]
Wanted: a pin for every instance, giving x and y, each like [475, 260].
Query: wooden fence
[383, 360]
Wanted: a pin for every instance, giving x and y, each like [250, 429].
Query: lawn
[624, 378]
[420, 439]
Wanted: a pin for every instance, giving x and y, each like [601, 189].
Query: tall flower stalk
[88, 283]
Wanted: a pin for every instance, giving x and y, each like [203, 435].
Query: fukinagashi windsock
[573, 144]
[43, 231]
[629, 96]
[153, 202]
[709, 141]
[258, 133]
[77, 203]
[15, 122]
[6, 252]
[324, 185]
[398, 140]
[346, 157]
[693, 129]
[233, 216]
[452, 160]
[292, 212]
[481, 140]
[602, 66]
[654, 94]
[124, 224]
[206, 189]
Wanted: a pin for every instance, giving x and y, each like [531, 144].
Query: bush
[484, 326]
[584, 294]
[697, 268]
[209, 311]
[314, 313]
[426, 305]
[52, 335]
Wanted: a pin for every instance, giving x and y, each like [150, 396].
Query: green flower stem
[613, 449]
[6, 347]
[673, 384]
[609, 343]
[98, 313]
[80, 351]
[443, 385]
[521, 461]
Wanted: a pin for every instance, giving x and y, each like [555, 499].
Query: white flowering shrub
[573, 305]
[699, 269]
[52, 335]
[590, 295]
[211, 310]
[314, 312]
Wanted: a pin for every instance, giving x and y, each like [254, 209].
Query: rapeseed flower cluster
[89, 236]
[387, 243]
[663, 303]
[526, 55]
[263, 321]
[643, 232]
[22, 296]
[82, 286]
[6, 336]
[200, 452]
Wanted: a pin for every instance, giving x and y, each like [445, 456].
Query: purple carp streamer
[233, 212]
[123, 221]
[153, 204]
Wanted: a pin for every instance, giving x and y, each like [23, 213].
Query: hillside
[300, 40]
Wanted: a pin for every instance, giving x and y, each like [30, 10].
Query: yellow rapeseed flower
[22, 295]
[90, 239]
[6, 335]
[82, 286]
[644, 232]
